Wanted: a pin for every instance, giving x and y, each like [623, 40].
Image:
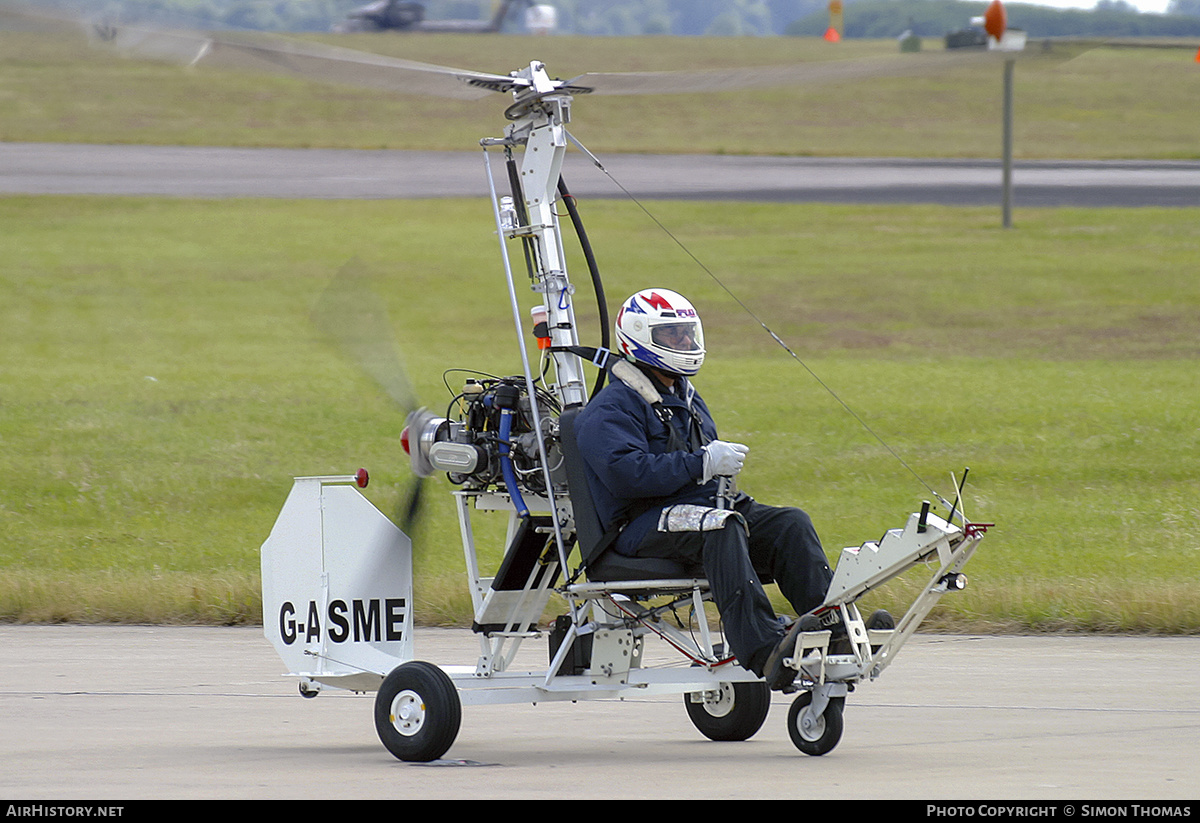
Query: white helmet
[661, 329]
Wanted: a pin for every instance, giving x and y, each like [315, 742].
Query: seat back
[589, 531]
[600, 564]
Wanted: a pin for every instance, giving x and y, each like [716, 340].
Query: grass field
[162, 383]
[1100, 103]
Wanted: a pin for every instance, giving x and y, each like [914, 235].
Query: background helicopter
[405, 15]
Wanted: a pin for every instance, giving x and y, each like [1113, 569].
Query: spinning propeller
[350, 314]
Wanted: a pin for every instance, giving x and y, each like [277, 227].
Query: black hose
[514, 181]
[594, 270]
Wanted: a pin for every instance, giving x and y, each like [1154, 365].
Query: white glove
[723, 459]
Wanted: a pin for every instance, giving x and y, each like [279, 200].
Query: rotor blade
[332, 64]
[258, 51]
[351, 314]
[736, 79]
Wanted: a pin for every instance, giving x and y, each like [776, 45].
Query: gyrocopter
[339, 566]
[337, 574]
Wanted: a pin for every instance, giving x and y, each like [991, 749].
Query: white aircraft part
[337, 586]
[864, 567]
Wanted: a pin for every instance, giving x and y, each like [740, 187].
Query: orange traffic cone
[831, 34]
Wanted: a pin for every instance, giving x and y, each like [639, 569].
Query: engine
[487, 440]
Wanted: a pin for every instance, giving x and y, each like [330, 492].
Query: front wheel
[732, 711]
[815, 734]
[417, 712]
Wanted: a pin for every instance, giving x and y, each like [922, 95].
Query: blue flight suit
[639, 464]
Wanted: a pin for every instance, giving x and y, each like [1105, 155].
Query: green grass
[1103, 103]
[162, 383]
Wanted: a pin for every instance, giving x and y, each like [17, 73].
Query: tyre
[819, 735]
[734, 711]
[417, 712]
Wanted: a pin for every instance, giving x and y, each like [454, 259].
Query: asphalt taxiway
[174, 171]
[126, 713]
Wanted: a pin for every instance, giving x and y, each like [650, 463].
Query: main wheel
[815, 735]
[734, 711]
[417, 712]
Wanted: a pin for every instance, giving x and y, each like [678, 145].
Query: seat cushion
[611, 567]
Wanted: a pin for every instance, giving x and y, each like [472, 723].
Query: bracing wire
[754, 316]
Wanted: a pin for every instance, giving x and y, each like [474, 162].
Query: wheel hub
[719, 701]
[408, 713]
[811, 726]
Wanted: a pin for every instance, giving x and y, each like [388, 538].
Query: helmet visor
[681, 336]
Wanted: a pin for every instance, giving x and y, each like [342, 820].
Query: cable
[761, 323]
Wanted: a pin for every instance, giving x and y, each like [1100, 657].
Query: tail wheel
[732, 711]
[811, 733]
[417, 712]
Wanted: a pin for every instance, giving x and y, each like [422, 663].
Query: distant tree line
[721, 18]
[934, 18]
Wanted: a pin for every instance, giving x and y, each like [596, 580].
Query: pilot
[659, 473]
